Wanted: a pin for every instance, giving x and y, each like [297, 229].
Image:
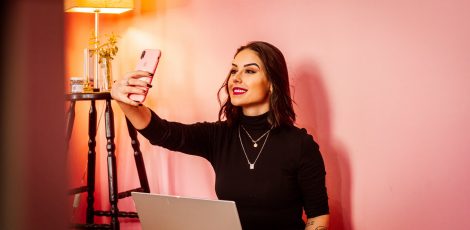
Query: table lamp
[97, 7]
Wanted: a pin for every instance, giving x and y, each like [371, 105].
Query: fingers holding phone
[133, 88]
[133, 84]
[138, 79]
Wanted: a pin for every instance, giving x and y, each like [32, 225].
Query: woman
[270, 168]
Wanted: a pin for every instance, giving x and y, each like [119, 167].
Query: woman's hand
[130, 84]
[318, 223]
[139, 116]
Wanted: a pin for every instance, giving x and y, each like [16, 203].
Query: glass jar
[106, 74]
[76, 84]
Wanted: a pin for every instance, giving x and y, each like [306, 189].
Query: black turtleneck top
[288, 176]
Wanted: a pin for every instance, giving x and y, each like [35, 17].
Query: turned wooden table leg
[139, 161]
[91, 164]
[70, 119]
[112, 173]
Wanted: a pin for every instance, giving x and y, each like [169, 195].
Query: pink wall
[383, 87]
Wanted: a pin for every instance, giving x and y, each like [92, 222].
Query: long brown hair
[281, 110]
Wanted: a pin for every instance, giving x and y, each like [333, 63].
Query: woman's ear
[270, 88]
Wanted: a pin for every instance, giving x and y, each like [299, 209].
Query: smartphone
[148, 62]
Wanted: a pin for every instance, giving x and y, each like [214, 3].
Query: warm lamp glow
[97, 7]
[101, 6]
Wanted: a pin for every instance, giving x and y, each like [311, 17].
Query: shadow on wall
[313, 113]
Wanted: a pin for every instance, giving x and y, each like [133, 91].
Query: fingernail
[149, 85]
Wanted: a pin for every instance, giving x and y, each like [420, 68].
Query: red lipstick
[238, 91]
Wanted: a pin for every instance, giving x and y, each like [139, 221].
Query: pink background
[382, 85]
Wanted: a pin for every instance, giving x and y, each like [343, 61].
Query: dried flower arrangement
[106, 50]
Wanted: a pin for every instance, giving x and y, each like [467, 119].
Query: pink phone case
[148, 62]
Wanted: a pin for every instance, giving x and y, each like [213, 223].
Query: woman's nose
[237, 77]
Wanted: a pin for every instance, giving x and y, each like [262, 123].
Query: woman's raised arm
[138, 114]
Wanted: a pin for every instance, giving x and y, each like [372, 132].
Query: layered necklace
[255, 144]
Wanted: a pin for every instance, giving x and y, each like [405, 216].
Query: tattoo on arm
[309, 223]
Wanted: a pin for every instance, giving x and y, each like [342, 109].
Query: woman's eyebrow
[249, 64]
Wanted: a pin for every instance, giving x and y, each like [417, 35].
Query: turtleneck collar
[255, 122]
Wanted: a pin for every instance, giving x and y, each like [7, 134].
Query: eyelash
[249, 71]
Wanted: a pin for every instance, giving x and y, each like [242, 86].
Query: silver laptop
[163, 212]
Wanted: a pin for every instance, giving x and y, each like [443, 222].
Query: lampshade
[102, 6]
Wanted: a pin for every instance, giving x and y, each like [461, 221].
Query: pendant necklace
[252, 165]
[255, 142]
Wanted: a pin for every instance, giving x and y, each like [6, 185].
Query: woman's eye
[233, 71]
[249, 71]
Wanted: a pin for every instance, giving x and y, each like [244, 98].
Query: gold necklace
[252, 165]
[255, 142]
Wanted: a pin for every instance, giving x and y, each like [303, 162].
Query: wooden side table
[114, 212]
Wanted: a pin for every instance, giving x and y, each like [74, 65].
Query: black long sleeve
[288, 177]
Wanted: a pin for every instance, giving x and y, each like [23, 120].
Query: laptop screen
[166, 212]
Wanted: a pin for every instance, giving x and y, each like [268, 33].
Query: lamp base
[87, 87]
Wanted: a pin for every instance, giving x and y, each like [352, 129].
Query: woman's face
[248, 84]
